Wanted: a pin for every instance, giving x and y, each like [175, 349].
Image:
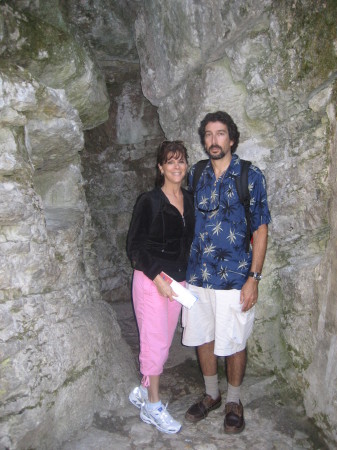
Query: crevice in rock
[88, 89]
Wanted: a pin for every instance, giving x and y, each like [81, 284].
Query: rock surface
[274, 417]
[62, 357]
[260, 61]
[118, 162]
[77, 145]
[58, 60]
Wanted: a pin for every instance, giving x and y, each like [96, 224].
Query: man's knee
[206, 348]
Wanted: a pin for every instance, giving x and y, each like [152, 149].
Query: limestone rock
[203, 28]
[272, 66]
[260, 61]
[60, 344]
[107, 28]
[119, 161]
[55, 58]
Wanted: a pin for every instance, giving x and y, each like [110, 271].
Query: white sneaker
[160, 418]
[138, 396]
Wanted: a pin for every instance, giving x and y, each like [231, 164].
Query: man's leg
[212, 399]
[236, 365]
[199, 326]
[207, 359]
[209, 368]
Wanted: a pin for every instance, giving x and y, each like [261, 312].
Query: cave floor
[274, 416]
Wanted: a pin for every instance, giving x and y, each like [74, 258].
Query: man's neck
[221, 165]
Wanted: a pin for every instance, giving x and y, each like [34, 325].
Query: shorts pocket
[242, 325]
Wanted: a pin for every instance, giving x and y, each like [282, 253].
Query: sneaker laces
[165, 414]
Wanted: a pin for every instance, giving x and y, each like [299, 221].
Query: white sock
[153, 406]
[212, 387]
[233, 394]
[143, 390]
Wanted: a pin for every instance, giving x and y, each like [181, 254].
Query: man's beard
[219, 156]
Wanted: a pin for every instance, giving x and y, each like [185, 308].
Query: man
[220, 273]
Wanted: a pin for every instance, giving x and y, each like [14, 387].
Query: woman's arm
[138, 235]
[137, 252]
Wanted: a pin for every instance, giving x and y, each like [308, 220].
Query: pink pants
[157, 319]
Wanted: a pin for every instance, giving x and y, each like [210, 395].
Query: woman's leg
[173, 311]
[155, 333]
[157, 319]
[153, 389]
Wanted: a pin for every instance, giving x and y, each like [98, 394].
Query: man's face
[217, 141]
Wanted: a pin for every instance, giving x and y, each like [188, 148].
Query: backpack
[241, 183]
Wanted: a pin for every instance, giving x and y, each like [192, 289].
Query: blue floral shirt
[218, 259]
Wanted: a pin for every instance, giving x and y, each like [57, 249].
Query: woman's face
[174, 169]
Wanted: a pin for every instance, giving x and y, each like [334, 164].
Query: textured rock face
[260, 61]
[62, 357]
[119, 156]
[119, 161]
[321, 375]
[272, 66]
[55, 58]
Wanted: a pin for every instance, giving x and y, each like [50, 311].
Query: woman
[159, 240]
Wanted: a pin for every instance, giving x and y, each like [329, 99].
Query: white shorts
[217, 316]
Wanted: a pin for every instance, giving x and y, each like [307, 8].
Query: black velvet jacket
[159, 238]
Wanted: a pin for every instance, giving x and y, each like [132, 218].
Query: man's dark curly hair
[223, 117]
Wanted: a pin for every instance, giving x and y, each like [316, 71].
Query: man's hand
[249, 294]
[249, 291]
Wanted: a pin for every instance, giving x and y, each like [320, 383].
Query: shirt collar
[233, 168]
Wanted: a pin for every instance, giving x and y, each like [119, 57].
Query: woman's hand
[164, 288]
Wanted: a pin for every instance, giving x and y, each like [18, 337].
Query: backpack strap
[241, 183]
[199, 167]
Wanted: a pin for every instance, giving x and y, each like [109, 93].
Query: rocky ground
[274, 417]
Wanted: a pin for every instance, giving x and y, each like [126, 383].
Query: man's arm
[249, 291]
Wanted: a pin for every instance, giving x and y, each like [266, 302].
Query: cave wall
[273, 67]
[262, 61]
[118, 159]
[62, 358]
[320, 396]
[107, 80]
[118, 162]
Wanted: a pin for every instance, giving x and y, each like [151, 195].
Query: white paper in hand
[184, 296]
